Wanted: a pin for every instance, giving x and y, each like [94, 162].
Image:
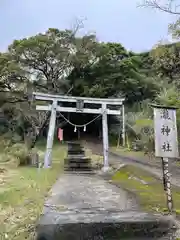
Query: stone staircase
[76, 159]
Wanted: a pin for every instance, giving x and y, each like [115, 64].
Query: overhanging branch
[170, 7]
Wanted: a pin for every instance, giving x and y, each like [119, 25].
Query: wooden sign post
[166, 144]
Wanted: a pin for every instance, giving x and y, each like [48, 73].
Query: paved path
[156, 171]
[153, 167]
[90, 192]
[87, 204]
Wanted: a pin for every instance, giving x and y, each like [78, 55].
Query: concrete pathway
[81, 192]
[154, 167]
[156, 171]
[88, 207]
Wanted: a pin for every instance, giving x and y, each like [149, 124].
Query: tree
[59, 62]
[45, 58]
[44, 61]
[145, 63]
[169, 6]
[13, 83]
[114, 73]
[166, 58]
[139, 127]
[19, 117]
[169, 96]
[166, 61]
[174, 29]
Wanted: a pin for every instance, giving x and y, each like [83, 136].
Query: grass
[96, 160]
[22, 194]
[151, 195]
[149, 190]
[178, 163]
[129, 153]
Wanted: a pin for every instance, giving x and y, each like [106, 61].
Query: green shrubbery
[17, 153]
[139, 127]
[139, 120]
[20, 152]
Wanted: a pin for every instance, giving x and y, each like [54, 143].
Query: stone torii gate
[54, 107]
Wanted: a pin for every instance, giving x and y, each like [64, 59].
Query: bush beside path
[22, 195]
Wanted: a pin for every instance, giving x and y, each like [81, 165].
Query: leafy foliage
[114, 73]
[167, 61]
[60, 61]
[45, 58]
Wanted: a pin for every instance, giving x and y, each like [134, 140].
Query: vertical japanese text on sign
[166, 144]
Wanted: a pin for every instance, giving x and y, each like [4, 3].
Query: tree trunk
[33, 143]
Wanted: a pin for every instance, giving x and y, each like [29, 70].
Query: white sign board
[166, 143]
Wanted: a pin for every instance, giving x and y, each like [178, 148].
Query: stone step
[78, 170]
[74, 152]
[74, 170]
[77, 159]
[75, 149]
[111, 226]
[77, 146]
[81, 172]
[73, 143]
[77, 162]
[71, 163]
[76, 155]
[76, 165]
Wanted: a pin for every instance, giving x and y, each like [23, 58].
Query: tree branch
[170, 7]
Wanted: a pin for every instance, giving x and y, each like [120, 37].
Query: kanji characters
[165, 114]
[166, 147]
[165, 130]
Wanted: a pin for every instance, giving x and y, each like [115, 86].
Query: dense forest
[61, 62]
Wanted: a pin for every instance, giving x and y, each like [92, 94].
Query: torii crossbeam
[54, 107]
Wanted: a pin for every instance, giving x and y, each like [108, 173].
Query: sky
[137, 29]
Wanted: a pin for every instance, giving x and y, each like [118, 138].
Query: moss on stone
[148, 189]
